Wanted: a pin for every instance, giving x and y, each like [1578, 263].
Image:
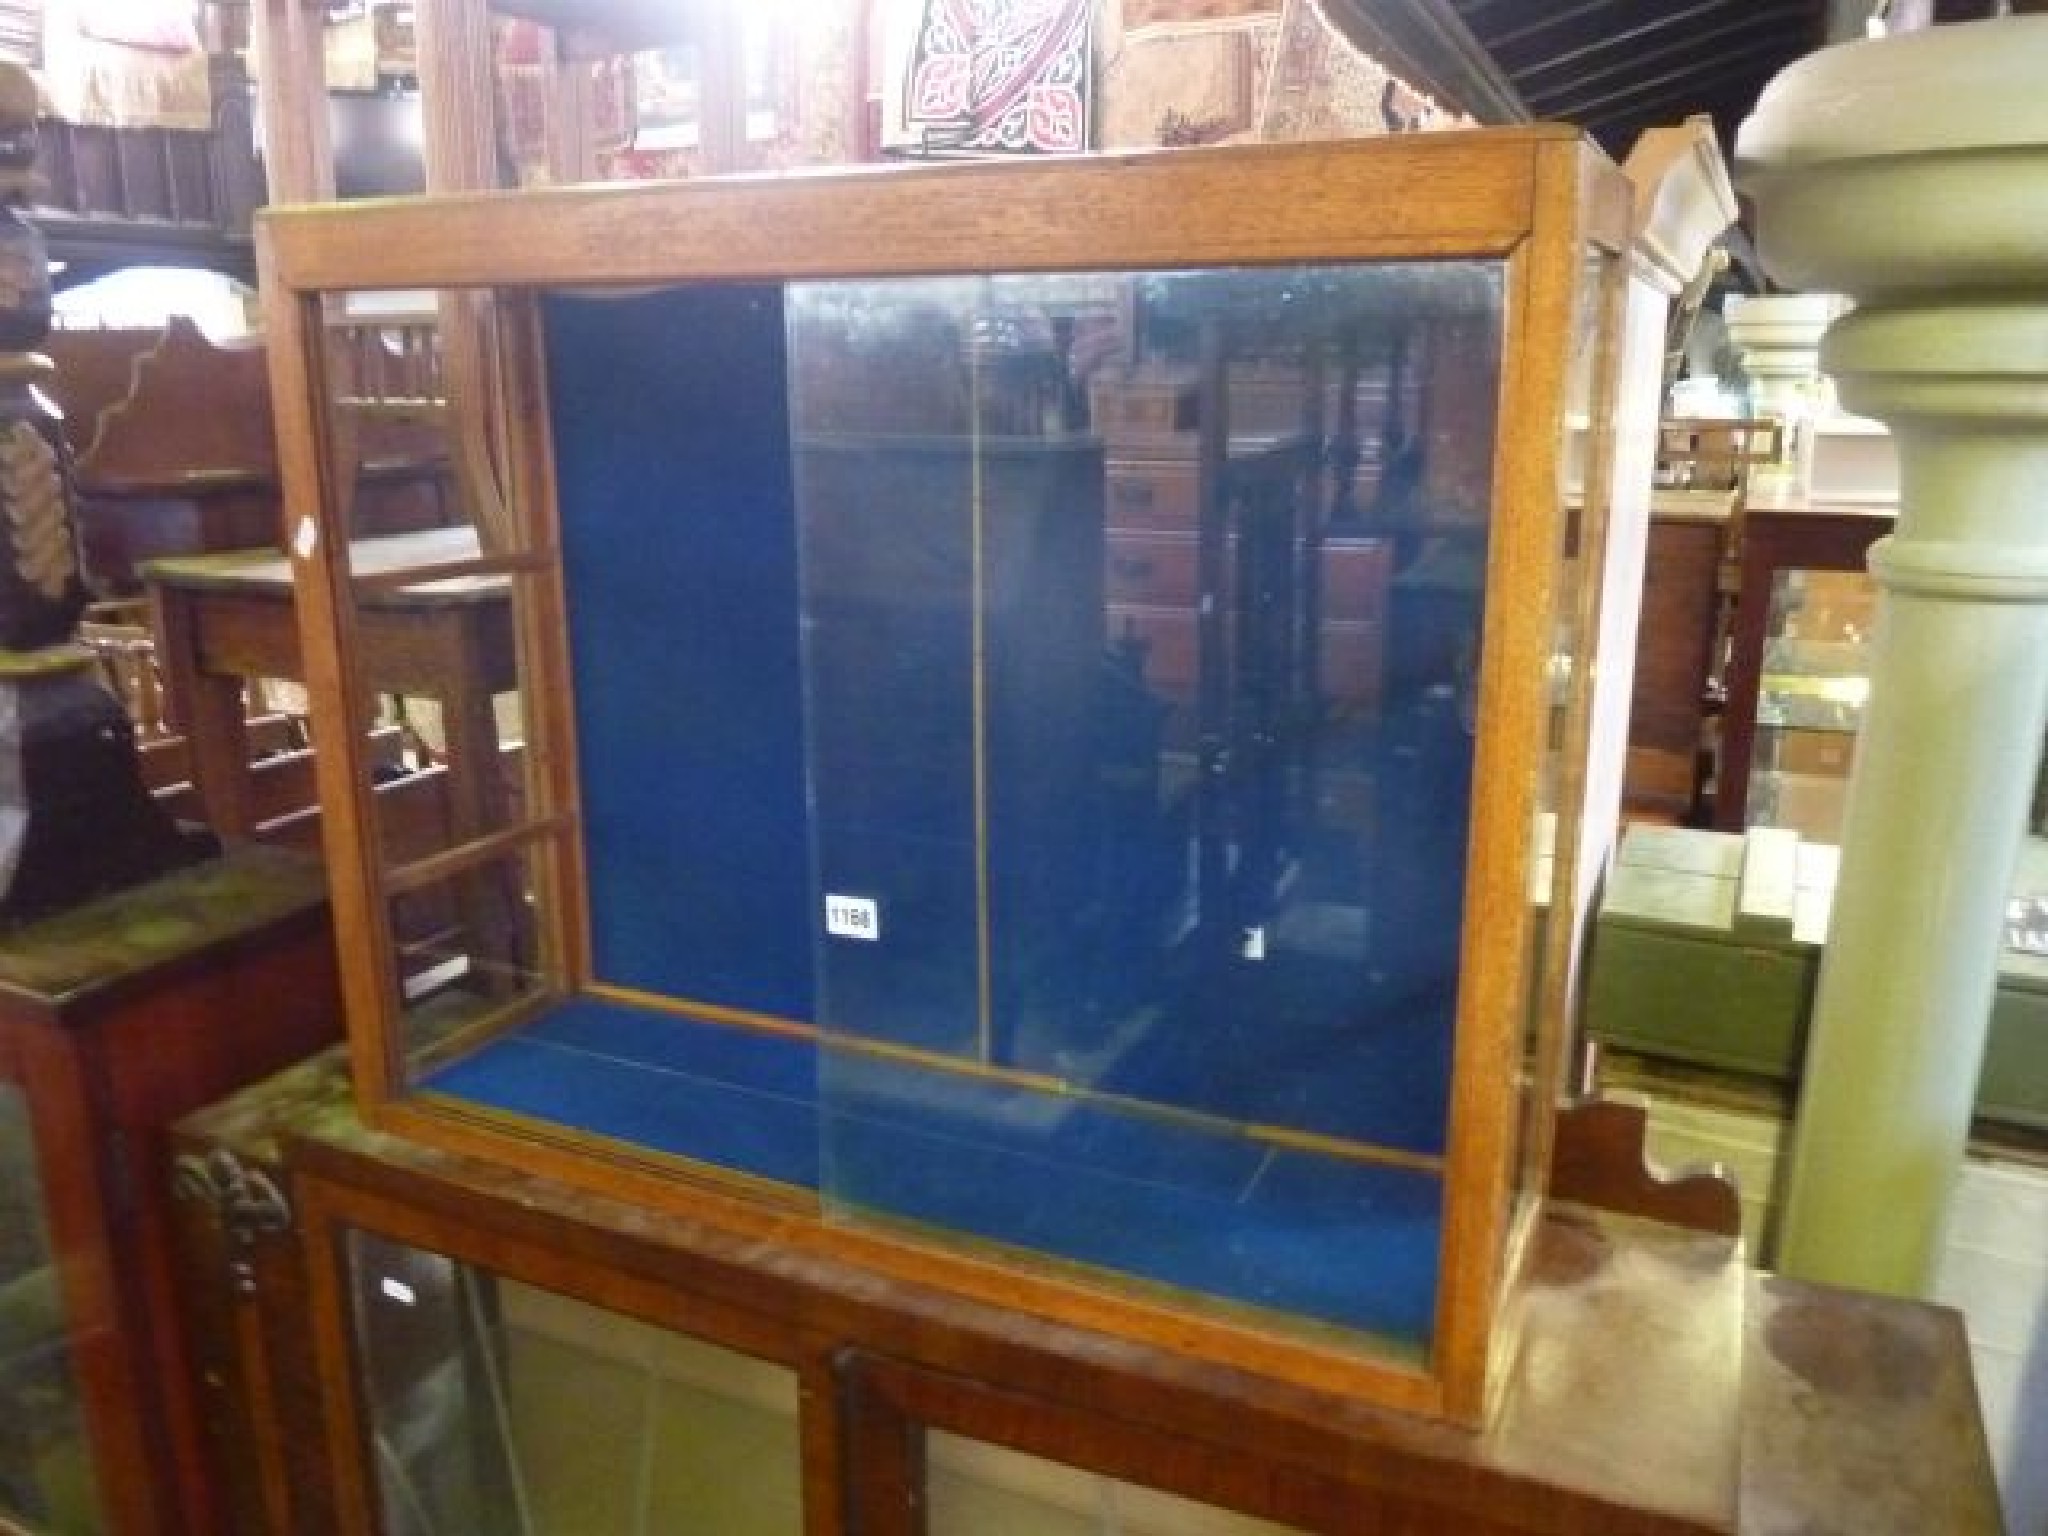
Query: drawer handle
[1130, 567]
[1136, 492]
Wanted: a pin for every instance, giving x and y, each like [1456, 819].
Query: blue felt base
[1195, 1206]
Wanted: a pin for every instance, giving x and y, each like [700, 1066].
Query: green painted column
[1911, 174]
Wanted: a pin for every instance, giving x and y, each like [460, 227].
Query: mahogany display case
[117, 1017]
[497, 1351]
[860, 887]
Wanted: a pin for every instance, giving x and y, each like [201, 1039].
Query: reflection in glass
[1558, 890]
[46, 1472]
[1024, 741]
[465, 950]
[388, 392]
[1142, 634]
[493, 1406]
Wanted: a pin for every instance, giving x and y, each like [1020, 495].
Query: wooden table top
[93, 950]
[266, 572]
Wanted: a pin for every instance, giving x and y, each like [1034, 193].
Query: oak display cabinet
[855, 880]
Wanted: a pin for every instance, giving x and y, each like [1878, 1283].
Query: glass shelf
[1829, 705]
[1797, 672]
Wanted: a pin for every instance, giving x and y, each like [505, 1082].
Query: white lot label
[853, 917]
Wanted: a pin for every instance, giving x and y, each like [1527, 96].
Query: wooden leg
[209, 708]
[492, 900]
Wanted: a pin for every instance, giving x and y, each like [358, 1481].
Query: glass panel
[1566, 872]
[495, 1406]
[672, 461]
[439, 524]
[1810, 697]
[1055, 694]
[466, 963]
[976, 1489]
[46, 1472]
[433, 515]
[1141, 621]
[388, 391]
[441, 659]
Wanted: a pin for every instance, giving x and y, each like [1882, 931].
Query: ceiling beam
[1759, 51]
[1548, 21]
[1714, 18]
[1637, 59]
[1599, 38]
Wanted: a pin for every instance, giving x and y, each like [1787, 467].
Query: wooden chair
[117, 632]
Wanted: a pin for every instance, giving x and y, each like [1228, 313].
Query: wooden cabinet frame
[1666, 1390]
[878, 1365]
[1538, 201]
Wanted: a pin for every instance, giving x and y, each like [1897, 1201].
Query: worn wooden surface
[1656, 1384]
[93, 954]
[1447, 194]
[1858, 1414]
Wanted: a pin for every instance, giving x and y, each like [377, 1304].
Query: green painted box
[1708, 944]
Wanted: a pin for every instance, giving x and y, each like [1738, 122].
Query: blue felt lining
[679, 553]
[747, 1130]
[1201, 1208]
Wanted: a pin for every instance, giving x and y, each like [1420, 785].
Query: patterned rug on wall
[997, 77]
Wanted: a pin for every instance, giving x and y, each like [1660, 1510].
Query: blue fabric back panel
[679, 552]
[1168, 1201]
